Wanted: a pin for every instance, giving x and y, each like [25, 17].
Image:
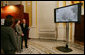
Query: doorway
[79, 31]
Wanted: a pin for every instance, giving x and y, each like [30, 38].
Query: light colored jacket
[18, 30]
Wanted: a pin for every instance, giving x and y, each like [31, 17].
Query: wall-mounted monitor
[70, 13]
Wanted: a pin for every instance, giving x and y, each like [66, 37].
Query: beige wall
[45, 15]
[45, 19]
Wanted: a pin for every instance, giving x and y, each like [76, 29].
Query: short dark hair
[24, 19]
[9, 16]
[16, 20]
[8, 20]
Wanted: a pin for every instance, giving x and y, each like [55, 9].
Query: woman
[19, 33]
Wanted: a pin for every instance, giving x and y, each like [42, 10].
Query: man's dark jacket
[25, 30]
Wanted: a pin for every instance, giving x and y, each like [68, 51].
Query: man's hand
[22, 34]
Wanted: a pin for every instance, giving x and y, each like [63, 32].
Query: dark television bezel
[79, 13]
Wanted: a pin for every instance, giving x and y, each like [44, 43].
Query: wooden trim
[71, 2]
[26, 5]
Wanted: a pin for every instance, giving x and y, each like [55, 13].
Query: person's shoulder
[8, 29]
[5, 27]
[11, 30]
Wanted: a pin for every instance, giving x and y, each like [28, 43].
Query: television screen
[70, 13]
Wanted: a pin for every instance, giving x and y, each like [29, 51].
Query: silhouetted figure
[8, 37]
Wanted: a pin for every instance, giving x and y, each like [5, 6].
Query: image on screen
[67, 14]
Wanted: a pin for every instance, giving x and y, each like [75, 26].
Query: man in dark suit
[25, 28]
[8, 37]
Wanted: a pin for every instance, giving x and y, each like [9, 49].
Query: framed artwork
[2, 21]
[3, 3]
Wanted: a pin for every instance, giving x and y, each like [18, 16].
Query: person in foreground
[8, 37]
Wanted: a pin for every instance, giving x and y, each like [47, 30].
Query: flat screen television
[70, 13]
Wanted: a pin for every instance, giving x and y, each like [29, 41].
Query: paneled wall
[45, 19]
[33, 29]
